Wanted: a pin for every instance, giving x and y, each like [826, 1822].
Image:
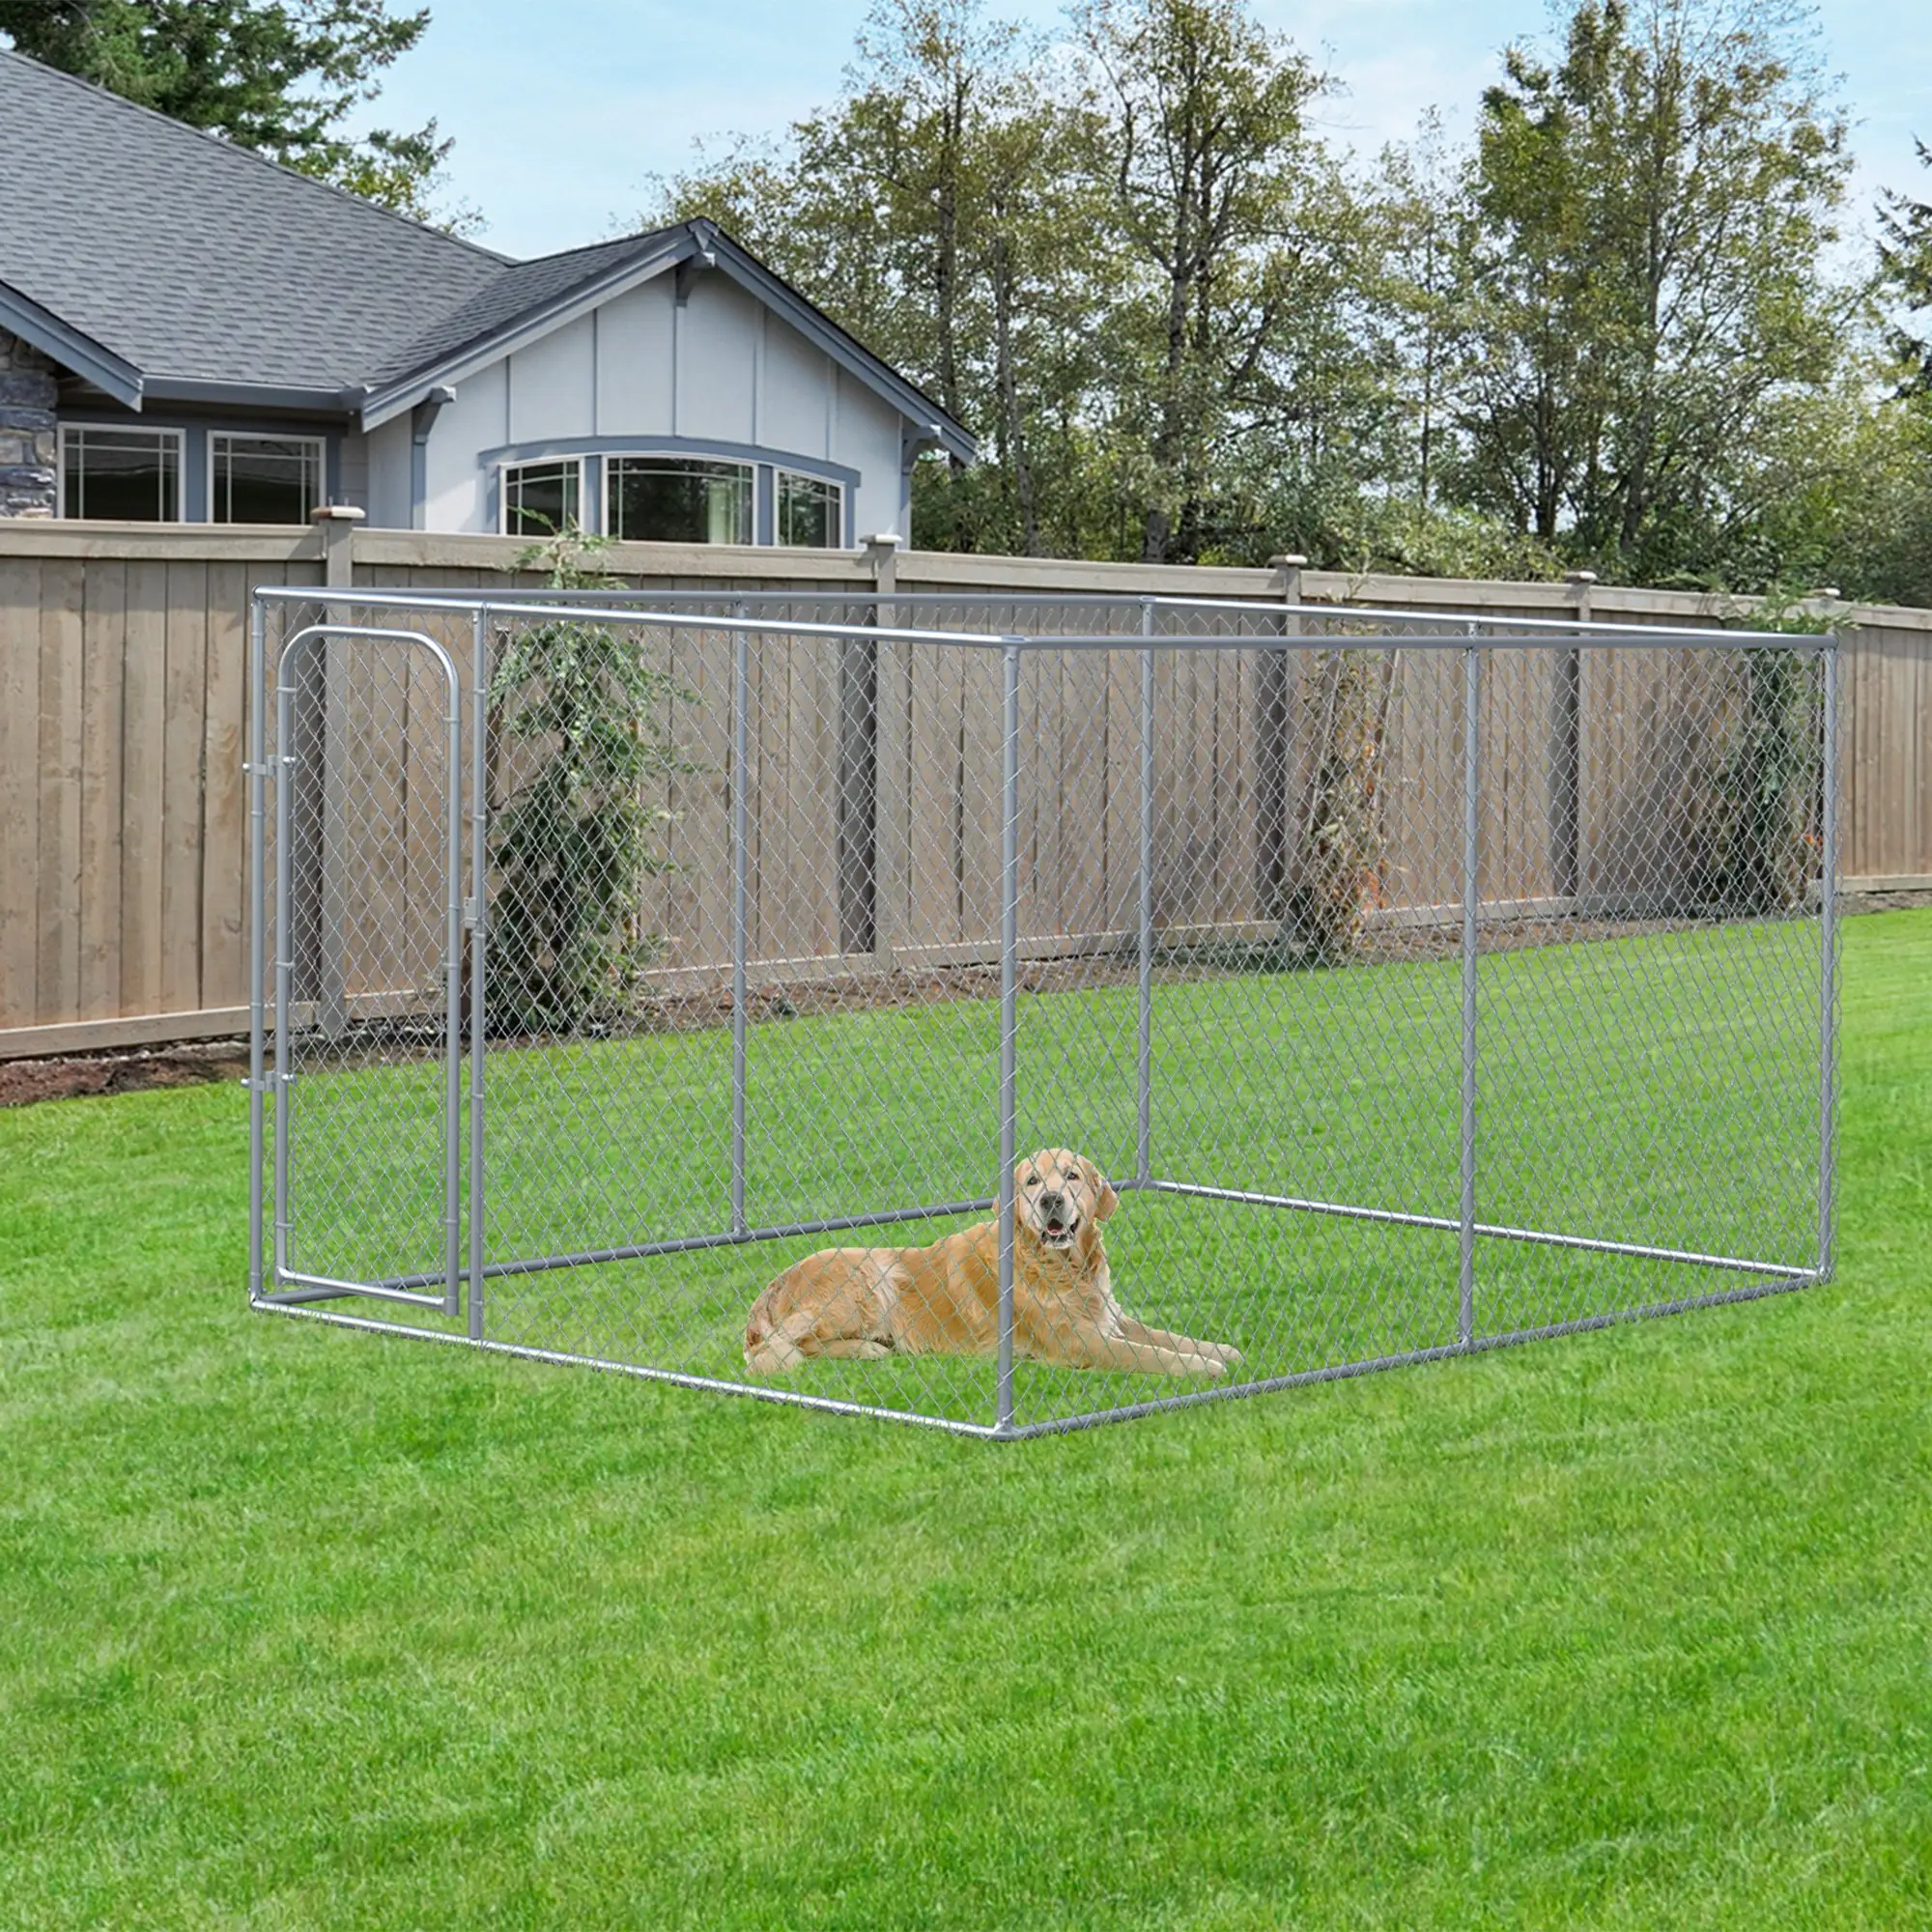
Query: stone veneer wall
[27, 430]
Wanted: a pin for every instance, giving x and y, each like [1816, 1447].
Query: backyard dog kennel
[1421, 985]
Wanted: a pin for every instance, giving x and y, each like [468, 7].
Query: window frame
[691, 462]
[779, 471]
[507, 465]
[318, 444]
[158, 432]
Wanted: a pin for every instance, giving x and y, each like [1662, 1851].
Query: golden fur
[875, 1302]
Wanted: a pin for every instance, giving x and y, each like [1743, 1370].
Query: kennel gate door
[368, 994]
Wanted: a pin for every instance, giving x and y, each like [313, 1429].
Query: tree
[279, 76]
[1210, 160]
[1905, 262]
[1652, 210]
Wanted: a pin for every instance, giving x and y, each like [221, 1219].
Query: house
[189, 333]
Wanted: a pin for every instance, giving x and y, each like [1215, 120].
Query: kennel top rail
[623, 607]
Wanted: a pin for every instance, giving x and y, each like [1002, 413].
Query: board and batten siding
[721, 368]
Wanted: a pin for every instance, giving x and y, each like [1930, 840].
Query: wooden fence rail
[124, 702]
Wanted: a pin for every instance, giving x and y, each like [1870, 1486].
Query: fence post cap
[1287, 560]
[1579, 576]
[338, 513]
[1828, 593]
[884, 540]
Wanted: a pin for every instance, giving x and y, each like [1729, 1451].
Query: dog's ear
[1103, 1188]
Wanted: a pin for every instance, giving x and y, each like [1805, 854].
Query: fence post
[892, 812]
[319, 741]
[1473, 690]
[1009, 943]
[1273, 749]
[1566, 783]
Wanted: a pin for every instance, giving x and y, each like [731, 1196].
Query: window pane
[670, 500]
[540, 498]
[133, 474]
[261, 479]
[809, 512]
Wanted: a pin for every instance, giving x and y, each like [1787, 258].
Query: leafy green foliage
[579, 716]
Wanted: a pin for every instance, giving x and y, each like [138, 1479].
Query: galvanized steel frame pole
[285, 759]
[741, 688]
[1144, 1118]
[1472, 689]
[257, 771]
[479, 944]
[1010, 946]
[452, 1004]
[1828, 975]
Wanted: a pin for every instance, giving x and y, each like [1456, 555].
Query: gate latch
[472, 915]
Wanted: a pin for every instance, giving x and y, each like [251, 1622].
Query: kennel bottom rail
[1496, 1231]
[1782, 1283]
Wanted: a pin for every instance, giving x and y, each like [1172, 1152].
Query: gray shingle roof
[514, 292]
[190, 261]
[284, 281]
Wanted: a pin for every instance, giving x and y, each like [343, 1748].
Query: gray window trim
[183, 441]
[554, 448]
[194, 433]
[203, 512]
[500, 495]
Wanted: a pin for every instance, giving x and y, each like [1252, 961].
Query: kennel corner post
[1144, 1063]
[1009, 943]
[1473, 780]
[256, 770]
[741, 687]
[1828, 964]
[479, 888]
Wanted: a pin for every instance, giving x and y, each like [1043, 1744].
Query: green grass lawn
[1660, 1089]
[300, 1627]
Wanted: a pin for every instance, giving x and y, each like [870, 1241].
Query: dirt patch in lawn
[126, 1071]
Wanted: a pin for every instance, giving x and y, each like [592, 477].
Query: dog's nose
[1053, 1206]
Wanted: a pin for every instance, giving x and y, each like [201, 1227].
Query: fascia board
[380, 406]
[43, 329]
[253, 396]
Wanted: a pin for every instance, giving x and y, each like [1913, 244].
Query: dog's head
[1060, 1199]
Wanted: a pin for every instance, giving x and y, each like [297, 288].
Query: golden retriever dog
[873, 1302]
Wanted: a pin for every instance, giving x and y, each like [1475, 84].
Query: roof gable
[531, 299]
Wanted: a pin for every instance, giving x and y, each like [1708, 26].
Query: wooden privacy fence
[124, 702]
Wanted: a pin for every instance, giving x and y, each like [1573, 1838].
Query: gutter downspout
[422, 419]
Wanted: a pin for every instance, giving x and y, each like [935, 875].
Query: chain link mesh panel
[1409, 985]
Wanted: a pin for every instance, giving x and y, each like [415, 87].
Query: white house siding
[722, 370]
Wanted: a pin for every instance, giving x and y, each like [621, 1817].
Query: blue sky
[562, 114]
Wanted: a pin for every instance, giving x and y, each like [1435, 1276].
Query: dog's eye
[1032, 1181]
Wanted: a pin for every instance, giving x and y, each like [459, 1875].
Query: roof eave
[73, 350]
